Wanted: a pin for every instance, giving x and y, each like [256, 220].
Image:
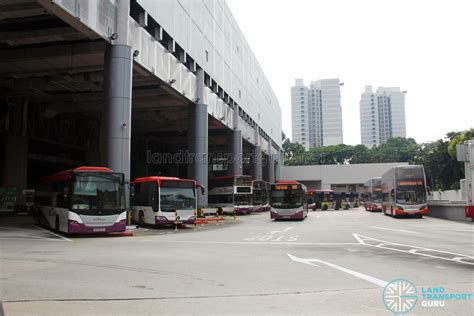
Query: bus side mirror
[132, 189]
[203, 190]
[429, 191]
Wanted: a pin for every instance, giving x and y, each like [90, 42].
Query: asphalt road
[334, 262]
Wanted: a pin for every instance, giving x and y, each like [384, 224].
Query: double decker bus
[354, 199]
[231, 193]
[261, 196]
[404, 191]
[373, 194]
[324, 199]
[164, 201]
[84, 200]
[288, 200]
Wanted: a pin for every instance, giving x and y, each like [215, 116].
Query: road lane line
[249, 242]
[281, 231]
[54, 234]
[415, 250]
[395, 230]
[368, 278]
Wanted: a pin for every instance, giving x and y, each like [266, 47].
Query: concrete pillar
[198, 148]
[235, 148]
[270, 164]
[236, 156]
[13, 166]
[118, 89]
[257, 163]
[198, 141]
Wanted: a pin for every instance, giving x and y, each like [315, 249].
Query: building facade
[316, 113]
[382, 115]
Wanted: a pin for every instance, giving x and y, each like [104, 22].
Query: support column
[198, 141]
[257, 163]
[118, 87]
[14, 165]
[198, 148]
[235, 139]
[270, 164]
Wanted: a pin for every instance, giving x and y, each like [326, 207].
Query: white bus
[288, 200]
[83, 200]
[404, 191]
[231, 193]
[261, 196]
[164, 201]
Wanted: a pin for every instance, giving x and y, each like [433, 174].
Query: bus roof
[67, 174]
[159, 179]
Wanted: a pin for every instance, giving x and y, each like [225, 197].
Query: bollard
[217, 216]
[129, 217]
[176, 218]
[234, 214]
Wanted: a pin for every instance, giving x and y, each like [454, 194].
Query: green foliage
[443, 171]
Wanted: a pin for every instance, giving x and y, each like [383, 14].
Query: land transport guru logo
[400, 296]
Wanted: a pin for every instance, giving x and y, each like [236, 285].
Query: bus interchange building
[125, 83]
[340, 178]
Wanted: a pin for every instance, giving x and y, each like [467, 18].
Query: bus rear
[260, 200]
[164, 201]
[243, 194]
[288, 201]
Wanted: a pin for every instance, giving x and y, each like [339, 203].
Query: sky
[423, 47]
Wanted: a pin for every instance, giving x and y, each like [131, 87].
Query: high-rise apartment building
[316, 113]
[382, 115]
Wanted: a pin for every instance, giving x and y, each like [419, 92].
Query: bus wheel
[141, 219]
[56, 224]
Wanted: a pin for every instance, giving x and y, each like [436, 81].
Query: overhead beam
[20, 9]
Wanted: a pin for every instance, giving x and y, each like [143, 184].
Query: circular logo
[400, 296]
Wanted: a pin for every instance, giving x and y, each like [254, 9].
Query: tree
[458, 138]
[292, 149]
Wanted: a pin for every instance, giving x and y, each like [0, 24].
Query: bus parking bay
[253, 266]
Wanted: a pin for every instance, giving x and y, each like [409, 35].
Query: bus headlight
[400, 208]
[423, 207]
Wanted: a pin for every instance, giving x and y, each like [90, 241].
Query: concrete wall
[449, 211]
[449, 195]
[328, 175]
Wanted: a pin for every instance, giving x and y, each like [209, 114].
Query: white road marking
[368, 278]
[453, 228]
[249, 243]
[54, 234]
[416, 250]
[395, 230]
[281, 231]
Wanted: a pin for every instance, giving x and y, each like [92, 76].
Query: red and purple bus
[84, 200]
[288, 200]
[164, 201]
[404, 191]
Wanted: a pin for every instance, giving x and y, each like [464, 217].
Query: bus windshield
[102, 192]
[257, 196]
[286, 199]
[411, 196]
[327, 197]
[242, 199]
[176, 195]
[377, 196]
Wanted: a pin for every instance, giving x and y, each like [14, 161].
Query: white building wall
[208, 28]
[331, 111]
[386, 114]
[300, 114]
[328, 175]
